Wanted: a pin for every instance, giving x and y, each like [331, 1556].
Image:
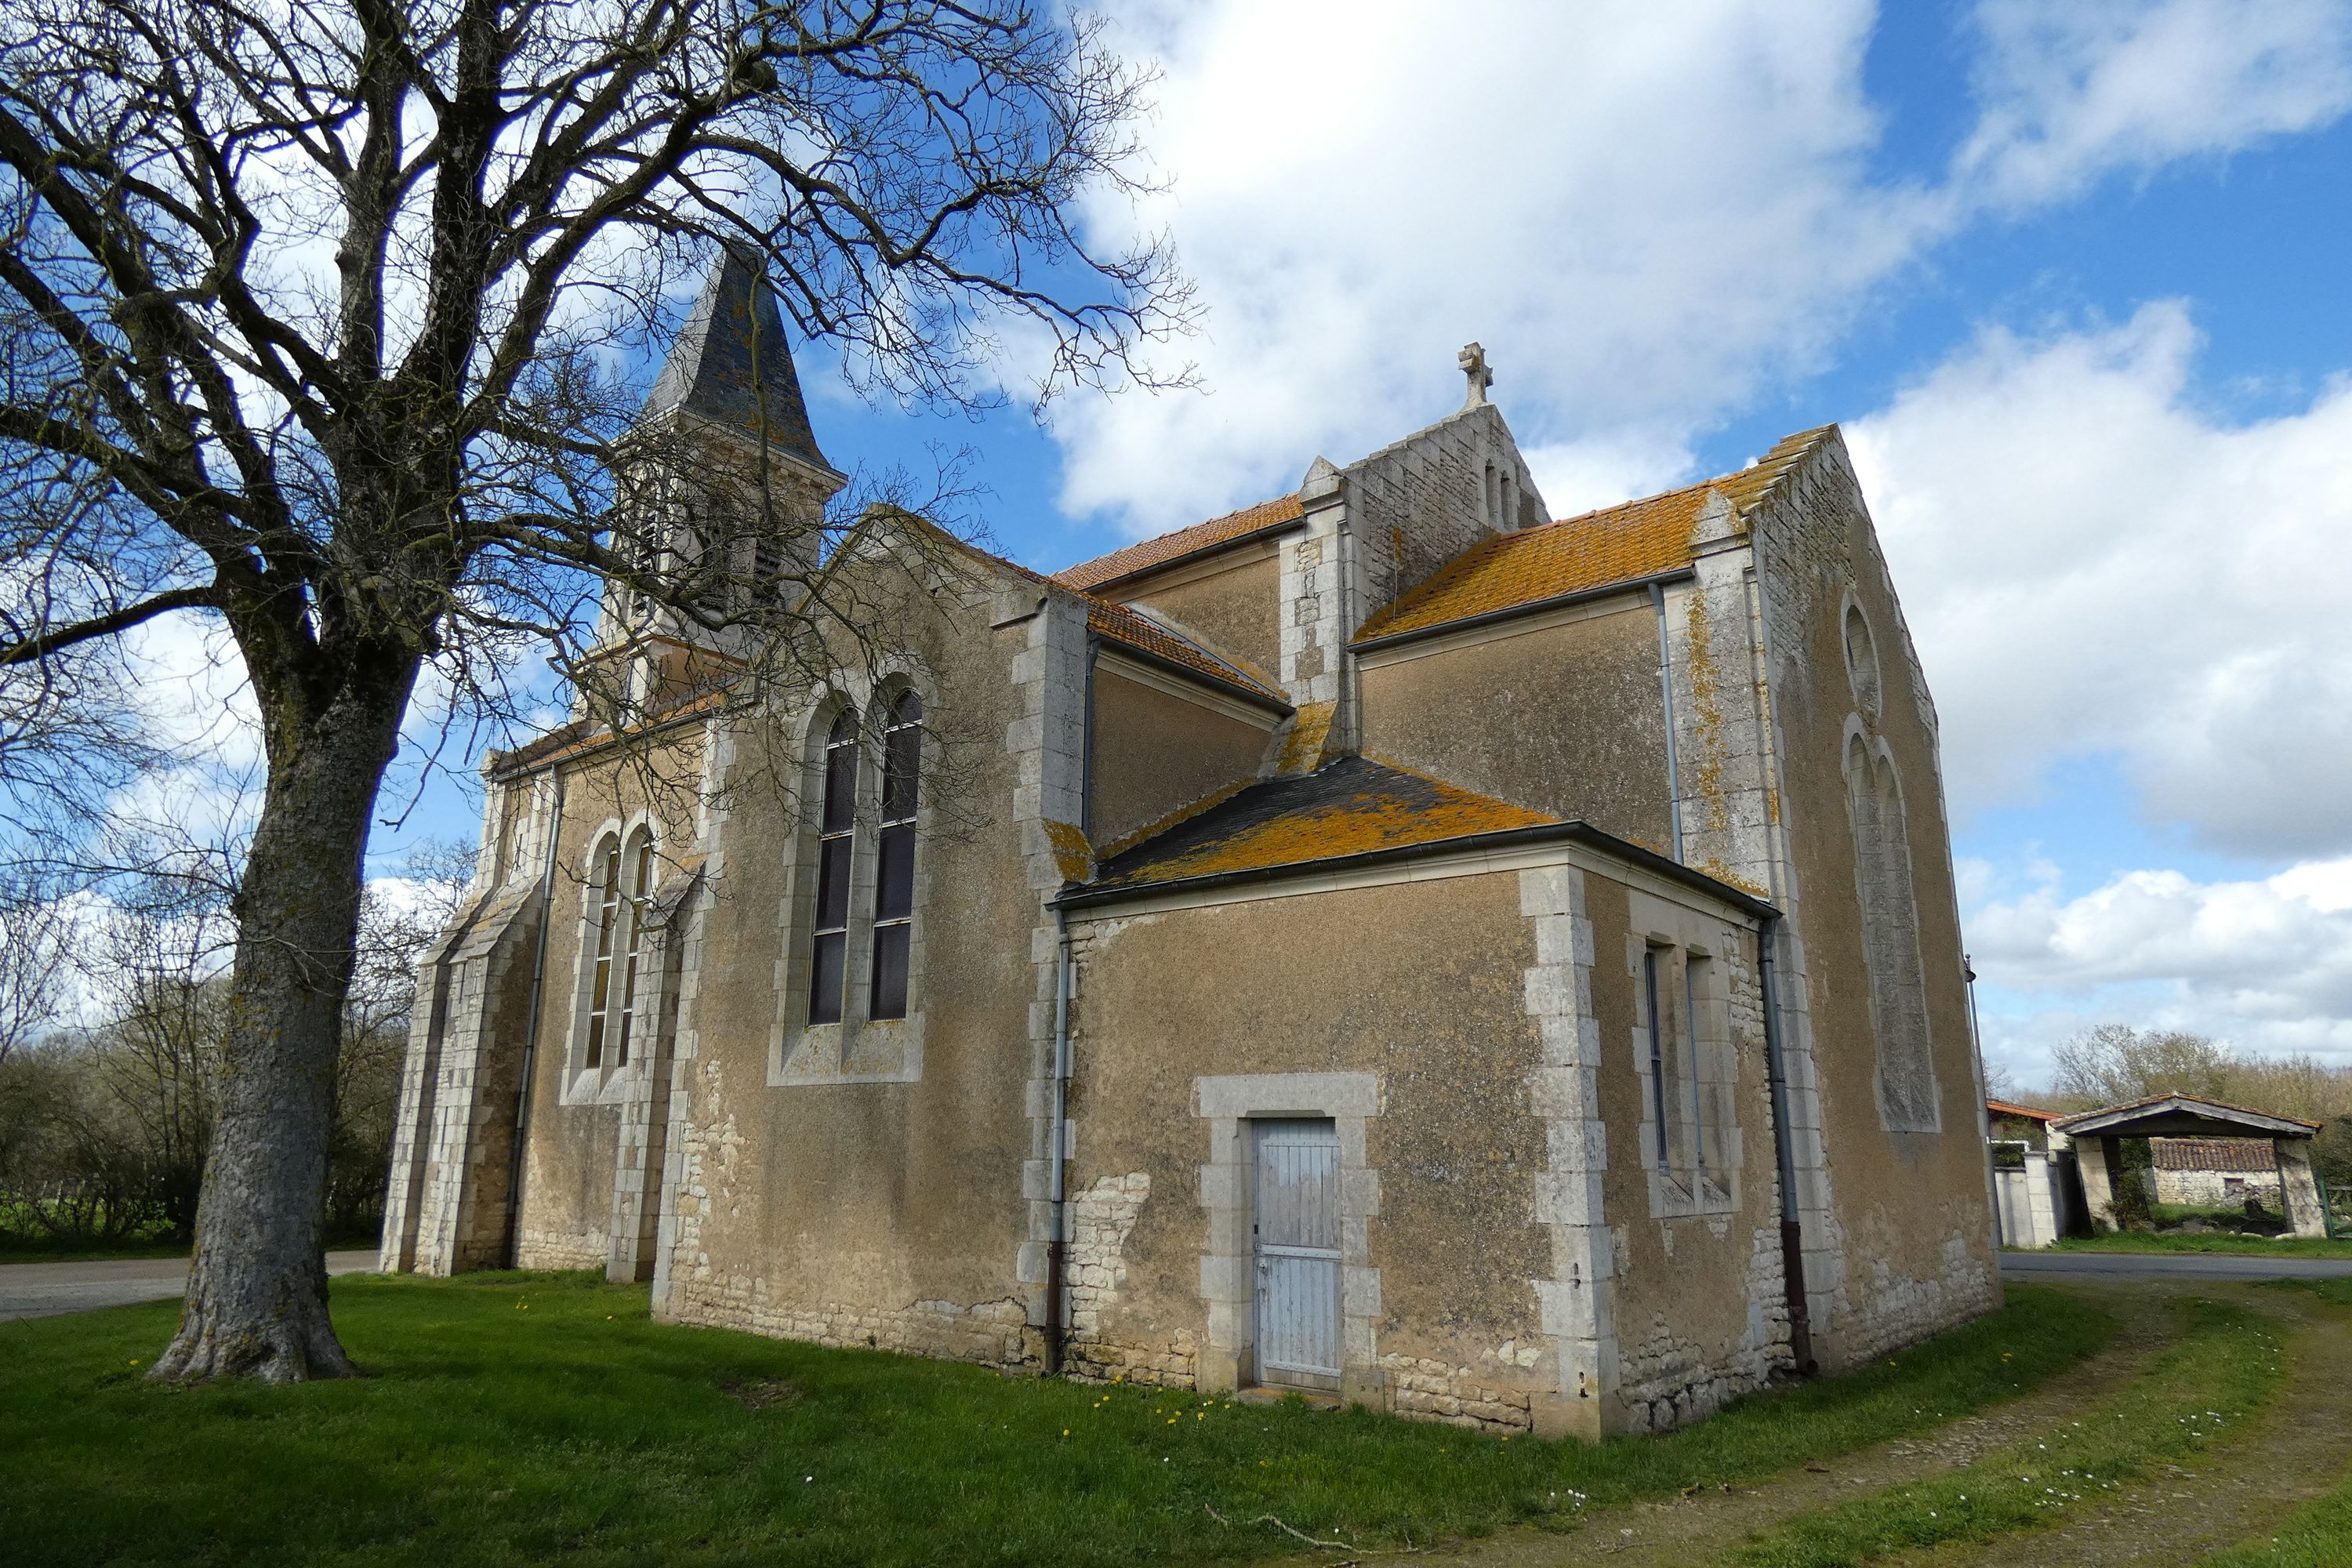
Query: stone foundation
[1424, 1390]
[539, 1248]
[989, 1332]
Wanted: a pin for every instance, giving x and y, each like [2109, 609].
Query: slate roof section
[1150, 555]
[731, 365]
[1353, 806]
[1618, 544]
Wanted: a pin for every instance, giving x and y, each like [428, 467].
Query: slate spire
[730, 364]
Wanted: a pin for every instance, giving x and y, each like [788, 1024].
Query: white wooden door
[1296, 1237]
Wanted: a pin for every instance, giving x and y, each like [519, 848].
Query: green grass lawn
[2174, 1241]
[2228, 1363]
[511, 1417]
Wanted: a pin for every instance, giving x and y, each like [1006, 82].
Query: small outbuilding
[2095, 1134]
[2037, 1199]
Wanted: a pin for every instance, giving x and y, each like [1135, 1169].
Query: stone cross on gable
[1472, 361]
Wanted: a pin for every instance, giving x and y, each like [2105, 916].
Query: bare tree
[36, 942]
[2114, 1062]
[310, 312]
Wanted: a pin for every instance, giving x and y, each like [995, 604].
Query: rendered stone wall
[848, 1206]
[1237, 606]
[1154, 755]
[1327, 985]
[1566, 718]
[1905, 1215]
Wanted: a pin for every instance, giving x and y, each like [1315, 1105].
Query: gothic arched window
[637, 869]
[1890, 940]
[606, 915]
[836, 837]
[617, 898]
[893, 877]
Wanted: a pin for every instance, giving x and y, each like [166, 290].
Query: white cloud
[1645, 213]
[2070, 89]
[2264, 964]
[2092, 565]
[1641, 211]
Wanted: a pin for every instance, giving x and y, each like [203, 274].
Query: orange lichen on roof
[1621, 543]
[1353, 807]
[1122, 625]
[1169, 547]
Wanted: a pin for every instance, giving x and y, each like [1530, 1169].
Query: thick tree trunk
[257, 1300]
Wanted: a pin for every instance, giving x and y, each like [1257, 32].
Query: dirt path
[1695, 1528]
[2296, 1449]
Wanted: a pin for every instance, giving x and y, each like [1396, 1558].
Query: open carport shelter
[2095, 1135]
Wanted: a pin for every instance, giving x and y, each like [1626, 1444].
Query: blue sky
[2073, 275]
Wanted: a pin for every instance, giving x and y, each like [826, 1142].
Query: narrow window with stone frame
[636, 864]
[606, 907]
[894, 880]
[617, 901]
[837, 841]
[1688, 1144]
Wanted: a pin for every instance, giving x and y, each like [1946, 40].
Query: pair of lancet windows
[890, 920]
[624, 879]
[1688, 1146]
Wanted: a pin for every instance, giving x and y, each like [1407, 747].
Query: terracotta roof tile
[1171, 547]
[1353, 806]
[1615, 544]
[2003, 1107]
[2259, 1154]
[1122, 625]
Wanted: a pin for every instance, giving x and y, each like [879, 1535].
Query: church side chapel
[1386, 942]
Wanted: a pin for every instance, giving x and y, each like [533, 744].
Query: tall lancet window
[836, 835]
[623, 877]
[608, 915]
[636, 865]
[894, 878]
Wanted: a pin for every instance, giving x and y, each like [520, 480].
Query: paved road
[41, 1289]
[2174, 1265]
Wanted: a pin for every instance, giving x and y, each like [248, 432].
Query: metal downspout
[1057, 1245]
[1666, 693]
[530, 1030]
[1792, 1236]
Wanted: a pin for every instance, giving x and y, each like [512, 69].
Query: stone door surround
[1228, 1280]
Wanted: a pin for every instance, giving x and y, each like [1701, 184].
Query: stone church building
[1386, 941]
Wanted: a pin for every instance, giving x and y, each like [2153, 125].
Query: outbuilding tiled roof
[1623, 543]
[2023, 1112]
[2255, 1154]
[1170, 547]
[1354, 806]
